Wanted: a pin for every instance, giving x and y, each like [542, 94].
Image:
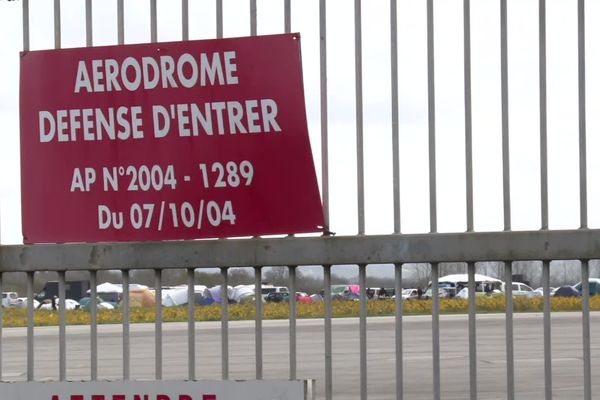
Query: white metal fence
[376, 150]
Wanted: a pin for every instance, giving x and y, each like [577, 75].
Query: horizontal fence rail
[372, 249]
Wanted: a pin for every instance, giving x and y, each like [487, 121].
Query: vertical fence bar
[469, 197]
[505, 133]
[362, 282]
[510, 360]
[62, 332]
[468, 113]
[120, 22]
[287, 16]
[153, 22]
[398, 333]
[293, 358]
[582, 115]
[30, 325]
[25, 17]
[510, 390]
[126, 314]
[328, 336]
[93, 325]
[472, 332]
[547, 330]
[431, 118]
[253, 29]
[57, 26]
[219, 17]
[543, 117]
[258, 327]
[191, 324]
[324, 114]
[360, 173]
[435, 316]
[585, 273]
[587, 362]
[544, 199]
[396, 189]
[435, 329]
[158, 351]
[224, 326]
[185, 20]
[89, 35]
[395, 113]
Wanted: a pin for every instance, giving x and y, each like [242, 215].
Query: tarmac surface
[567, 360]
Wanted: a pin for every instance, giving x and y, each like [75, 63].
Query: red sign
[182, 140]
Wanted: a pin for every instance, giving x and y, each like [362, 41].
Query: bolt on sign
[163, 141]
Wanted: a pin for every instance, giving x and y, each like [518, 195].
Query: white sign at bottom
[158, 390]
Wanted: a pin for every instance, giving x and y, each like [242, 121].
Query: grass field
[18, 317]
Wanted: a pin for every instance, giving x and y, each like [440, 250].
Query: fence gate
[444, 132]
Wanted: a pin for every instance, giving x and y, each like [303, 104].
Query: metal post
[258, 328]
[126, 314]
[360, 173]
[219, 19]
[30, 327]
[468, 113]
[191, 324]
[89, 33]
[362, 282]
[323, 104]
[395, 112]
[158, 353]
[293, 358]
[510, 359]
[587, 362]
[435, 329]
[25, 25]
[472, 332]
[328, 336]
[93, 325]
[547, 330]
[224, 326]
[510, 378]
[398, 329]
[582, 115]
[120, 22]
[253, 18]
[185, 20]
[57, 27]
[287, 7]
[62, 332]
[153, 22]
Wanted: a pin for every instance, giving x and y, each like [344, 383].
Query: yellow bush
[494, 304]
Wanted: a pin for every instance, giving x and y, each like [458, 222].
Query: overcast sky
[523, 92]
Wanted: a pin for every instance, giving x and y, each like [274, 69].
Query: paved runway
[491, 358]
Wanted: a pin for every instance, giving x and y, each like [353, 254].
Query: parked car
[268, 289]
[443, 294]
[85, 303]
[277, 297]
[410, 294]
[594, 286]
[540, 291]
[567, 291]
[521, 290]
[302, 297]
